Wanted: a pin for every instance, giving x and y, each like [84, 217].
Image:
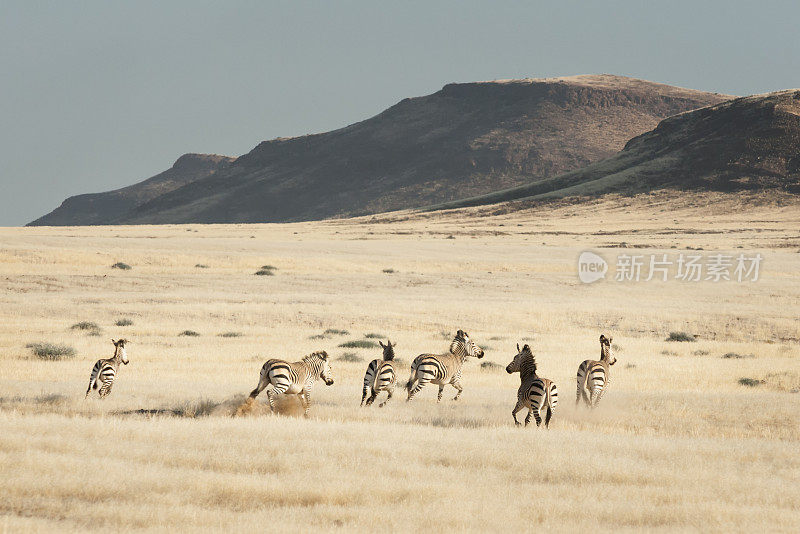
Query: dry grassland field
[678, 443]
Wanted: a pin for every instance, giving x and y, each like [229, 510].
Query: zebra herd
[539, 395]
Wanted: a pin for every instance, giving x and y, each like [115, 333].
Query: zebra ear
[610, 339]
[114, 342]
[518, 347]
[602, 338]
[382, 345]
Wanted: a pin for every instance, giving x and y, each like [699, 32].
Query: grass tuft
[491, 366]
[120, 265]
[373, 335]
[359, 344]
[265, 272]
[389, 271]
[350, 357]
[699, 352]
[231, 334]
[750, 382]
[190, 333]
[680, 336]
[124, 322]
[85, 325]
[201, 266]
[335, 332]
[51, 351]
[737, 356]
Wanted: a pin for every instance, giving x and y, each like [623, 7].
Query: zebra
[442, 369]
[104, 371]
[534, 393]
[594, 376]
[380, 376]
[294, 378]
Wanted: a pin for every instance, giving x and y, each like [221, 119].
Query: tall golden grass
[678, 443]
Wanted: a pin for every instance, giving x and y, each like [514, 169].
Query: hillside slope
[104, 208]
[464, 140]
[750, 143]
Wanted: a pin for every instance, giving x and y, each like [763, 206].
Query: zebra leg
[91, 383]
[528, 417]
[389, 391]
[517, 408]
[547, 418]
[372, 397]
[306, 398]
[263, 381]
[457, 385]
[364, 394]
[537, 416]
[420, 384]
[105, 389]
[441, 390]
[271, 399]
[595, 398]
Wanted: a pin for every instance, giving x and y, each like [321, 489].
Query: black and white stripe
[535, 393]
[380, 376]
[594, 376]
[442, 369]
[294, 378]
[105, 371]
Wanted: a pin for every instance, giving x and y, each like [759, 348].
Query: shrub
[737, 356]
[265, 272]
[491, 366]
[359, 344]
[51, 351]
[124, 322]
[201, 266]
[681, 336]
[388, 271]
[318, 336]
[700, 352]
[85, 325]
[269, 268]
[374, 336]
[191, 333]
[669, 353]
[120, 265]
[231, 334]
[350, 357]
[750, 382]
[335, 332]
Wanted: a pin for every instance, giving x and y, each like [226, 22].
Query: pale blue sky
[96, 95]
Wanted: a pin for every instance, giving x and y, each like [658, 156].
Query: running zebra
[294, 378]
[380, 376]
[104, 371]
[594, 376]
[442, 369]
[534, 393]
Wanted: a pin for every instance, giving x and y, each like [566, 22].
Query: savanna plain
[691, 436]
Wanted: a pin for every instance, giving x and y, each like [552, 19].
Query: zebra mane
[318, 355]
[527, 363]
[459, 340]
[388, 355]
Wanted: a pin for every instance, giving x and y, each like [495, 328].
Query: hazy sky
[98, 95]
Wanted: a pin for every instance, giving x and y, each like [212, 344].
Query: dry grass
[188, 452]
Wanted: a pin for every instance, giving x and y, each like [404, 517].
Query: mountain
[104, 208]
[466, 139]
[749, 143]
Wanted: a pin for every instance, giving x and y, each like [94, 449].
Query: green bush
[231, 334]
[124, 322]
[190, 333]
[350, 357]
[491, 366]
[265, 272]
[359, 344]
[335, 332]
[389, 271]
[750, 382]
[51, 351]
[680, 336]
[85, 325]
[120, 265]
[737, 356]
[374, 336]
[201, 266]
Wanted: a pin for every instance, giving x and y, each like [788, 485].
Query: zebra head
[524, 358]
[605, 350]
[463, 346]
[325, 371]
[388, 350]
[119, 350]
